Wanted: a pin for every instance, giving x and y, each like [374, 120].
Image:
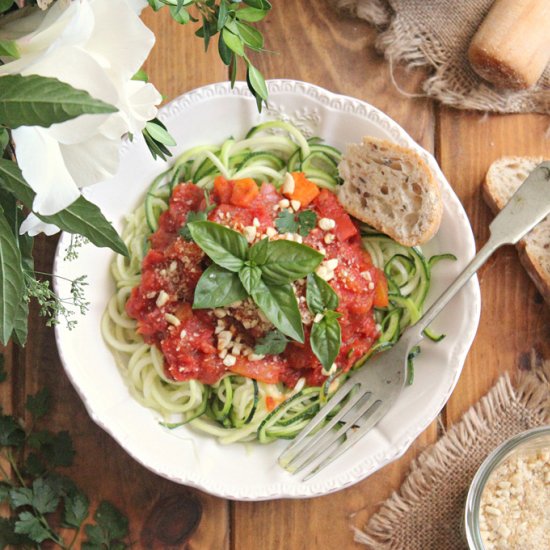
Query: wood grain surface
[311, 42]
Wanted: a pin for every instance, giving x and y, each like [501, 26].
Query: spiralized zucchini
[234, 408]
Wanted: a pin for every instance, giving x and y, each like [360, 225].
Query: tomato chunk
[304, 190]
[222, 189]
[381, 298]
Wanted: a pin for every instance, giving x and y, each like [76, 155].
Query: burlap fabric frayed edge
[399, 41]
[532, 391]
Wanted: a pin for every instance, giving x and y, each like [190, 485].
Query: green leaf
[320, 296]
[11, 279]
[198, 216]
[39, 101]
[30, 525]
[252, 15]
[8, 48]
[222, 245]
[4, 491]
[11, 433]
[156, 4]
[218, 287]
[232, 71]
[4, 139]
[60, 452]
[20, 496]
[45, 499]
[5, 5]
[259, 4]
[307, 220]
[8, 537]
[326, 339]
[141, 75]
[180, 15]
[273, 343]
[258, 252]
[233, 42]
[252, 37]
[280, 306]
[287, 261]
[81, 217]
[39, 404]
[250, 277]
[256, 81]
[286, 222]
[111, 520]
[160, 134]
[76, 509]
[222, 14]
[226, 55]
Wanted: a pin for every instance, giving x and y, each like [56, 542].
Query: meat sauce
[188, 339]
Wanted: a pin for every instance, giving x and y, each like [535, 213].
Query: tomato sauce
[188, 339]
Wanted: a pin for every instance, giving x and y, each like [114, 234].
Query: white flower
[97, 46]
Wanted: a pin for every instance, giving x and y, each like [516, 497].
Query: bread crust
[493, 196]
[432, 206]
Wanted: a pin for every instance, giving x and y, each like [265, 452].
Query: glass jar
[526, 444]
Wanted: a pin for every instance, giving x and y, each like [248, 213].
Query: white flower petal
[33, 225]
[138, 104]
[77, 68]
[93, 160]
[122, 47]
[40, 160]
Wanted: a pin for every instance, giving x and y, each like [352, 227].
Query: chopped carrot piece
[222, 190]
[244, 192]
[304, 190]
[381, 291]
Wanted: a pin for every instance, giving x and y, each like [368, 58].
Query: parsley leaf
[38, 404]
[301, 223]
[272, 343]
[29, 524]
[307, 220]
[111, 526]
[286, 222]
[11, 433]
[197, 216]
[76, 509]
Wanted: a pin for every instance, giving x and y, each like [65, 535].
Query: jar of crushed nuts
[508, 504]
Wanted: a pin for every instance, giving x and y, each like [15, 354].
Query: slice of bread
[503, 178]
[392, 189]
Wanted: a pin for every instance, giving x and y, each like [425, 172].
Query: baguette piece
[503, 178]
[392, 189]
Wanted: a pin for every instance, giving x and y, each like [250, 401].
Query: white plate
[210, 115]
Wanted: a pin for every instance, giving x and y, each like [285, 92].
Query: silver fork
[377, 385]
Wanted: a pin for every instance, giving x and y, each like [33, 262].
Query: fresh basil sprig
[326, 334]
[263, 272]
[197, 216]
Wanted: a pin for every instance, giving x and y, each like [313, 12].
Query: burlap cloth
[436, 34]
[427, 511]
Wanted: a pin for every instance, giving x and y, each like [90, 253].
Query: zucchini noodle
[235, 409]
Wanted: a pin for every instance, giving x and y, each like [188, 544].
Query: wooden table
[317, 45]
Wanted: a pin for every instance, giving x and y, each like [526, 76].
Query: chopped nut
[249, 233]
[284, 203]
[162, 298]
[256, 222]
[332, 264]
[172, 319]
[296, 205]
[220, 313]
[288, 184]
[229, 360]
[329, 238]
[224, 338]
[326, 224]
[271, 232]
[255, 357]
[318, 318]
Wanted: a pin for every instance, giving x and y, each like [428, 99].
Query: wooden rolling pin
[512, 46]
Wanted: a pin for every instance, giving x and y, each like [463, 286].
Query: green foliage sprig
[231, 21]
[42, 501]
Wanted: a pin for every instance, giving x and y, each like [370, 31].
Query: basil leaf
[320, 295]
[81, 217]
[258, 252]
[11, 279]
[250, 278]
[326, 339]
[287, 261]
[280, 306]
[221, 244]
[39, 101]
[218, 287]
[273, 343]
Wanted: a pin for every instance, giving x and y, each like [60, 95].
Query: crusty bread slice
[392, 189]
[503, 178]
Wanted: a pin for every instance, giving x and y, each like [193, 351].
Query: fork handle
[527, 207]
